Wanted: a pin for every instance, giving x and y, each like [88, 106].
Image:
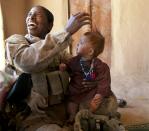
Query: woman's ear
[50, 26]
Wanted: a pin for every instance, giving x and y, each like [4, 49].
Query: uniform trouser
[21, 89]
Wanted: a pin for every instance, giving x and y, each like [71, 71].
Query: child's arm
[104, 80]
[66, 62]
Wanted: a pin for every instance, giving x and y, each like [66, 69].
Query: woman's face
[37, 22]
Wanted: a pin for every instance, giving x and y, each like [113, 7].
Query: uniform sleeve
[65, 56]
[38, 55]
[104, 80]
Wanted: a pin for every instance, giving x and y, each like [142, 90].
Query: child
[87, 67]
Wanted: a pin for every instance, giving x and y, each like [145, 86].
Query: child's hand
[62, 67]
[95, 102]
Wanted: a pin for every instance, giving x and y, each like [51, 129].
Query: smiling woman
[2, 58]
[39, 22]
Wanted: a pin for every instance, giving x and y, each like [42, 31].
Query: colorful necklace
[89, 73]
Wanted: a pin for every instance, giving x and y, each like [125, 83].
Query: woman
[39, 53]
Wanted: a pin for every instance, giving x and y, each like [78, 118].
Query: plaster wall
[130, 28]
[13, 16]
[130, 48]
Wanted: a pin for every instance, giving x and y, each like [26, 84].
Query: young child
[87, 67]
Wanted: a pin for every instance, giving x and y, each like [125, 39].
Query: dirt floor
[135, 90]
[137, 112]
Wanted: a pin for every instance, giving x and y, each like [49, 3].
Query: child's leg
[72, 109]
[108, 106]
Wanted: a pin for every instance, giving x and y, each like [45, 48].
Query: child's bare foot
[95, 102]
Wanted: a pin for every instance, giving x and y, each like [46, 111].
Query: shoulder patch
[16, 38]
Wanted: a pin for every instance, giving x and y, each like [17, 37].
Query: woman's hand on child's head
[62, 67]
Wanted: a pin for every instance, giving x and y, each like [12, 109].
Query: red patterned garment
[77, 93]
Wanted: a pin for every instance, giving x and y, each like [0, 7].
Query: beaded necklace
[89, 74]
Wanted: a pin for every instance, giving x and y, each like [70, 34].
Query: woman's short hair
[49, 15]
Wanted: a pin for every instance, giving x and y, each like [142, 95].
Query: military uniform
[41, 58]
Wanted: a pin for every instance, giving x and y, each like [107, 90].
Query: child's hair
[97, 41]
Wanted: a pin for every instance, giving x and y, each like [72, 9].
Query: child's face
[84, 47]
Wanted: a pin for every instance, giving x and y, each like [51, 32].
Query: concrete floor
[135, 90]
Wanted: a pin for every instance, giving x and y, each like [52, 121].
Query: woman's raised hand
[76, 21]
